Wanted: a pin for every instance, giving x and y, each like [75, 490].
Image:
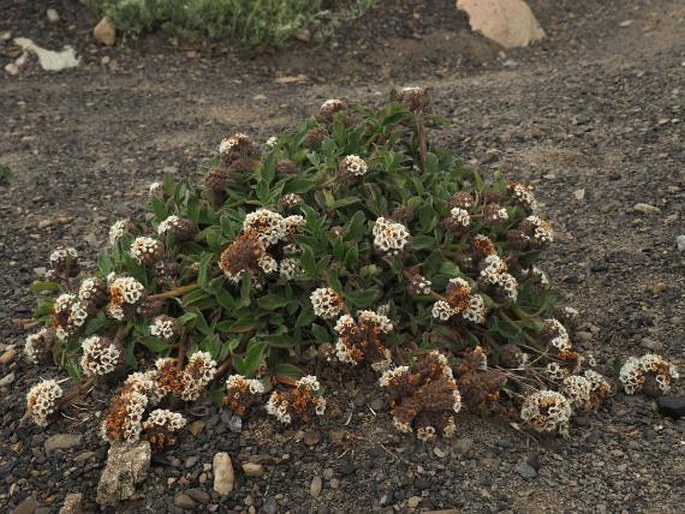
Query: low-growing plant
[252, 23]
[350, 242]
[6, 175]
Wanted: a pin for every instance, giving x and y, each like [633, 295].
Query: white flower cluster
[390, 237]
[267, 264]
[495, 272]
[156, 189]
[476, 311]
[524, 196]
[129, 426]
[235, 384]
[63, 303]
[145, 249]
[123, 290]
[354, 165]
[420, 285]
[310, 385]
[145, 382]
[78, 314]
[61, 255]
[271, 142]
[425, 433]
[89, 289]
[270, 227]
[40, 401]
[543, 232]
[231, 142]
[289, 268]
[100, 356]
[197, 375]
[163, 327]
[170, 223]
[278, 406]
[169, 420]
[555, 371]
[291, 200]
[383, 323]
[331, 105]
[539, 275]
[442, 310]
[326, 302]
[392, 375]
[35, 345]
[577, 389]
[461, 216]
[547, 411]
[636, 369]
[560, 338]
[118, 229]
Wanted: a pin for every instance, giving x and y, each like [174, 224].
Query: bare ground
[593, 116]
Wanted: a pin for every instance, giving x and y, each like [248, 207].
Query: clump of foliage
[6, 175]
[351, 242]
[251, 23]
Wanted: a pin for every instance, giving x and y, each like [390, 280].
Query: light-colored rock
[316, 486]
[510, 23]
[105, 32]
[224, 476]
[28, 506]
[8, 356]
[680, 243]
[579, 194]
[651, 344]
[72, 504]
[7, 379]
[127, 465]
[49, 60]
[11, 69]
[252, 469]
[413, 502]
[646, 208]
[62, 442]
[53, 15]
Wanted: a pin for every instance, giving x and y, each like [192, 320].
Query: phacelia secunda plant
[349, 242]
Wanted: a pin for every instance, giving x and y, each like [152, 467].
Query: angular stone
[7, 379]
[62, 442]
[680, 243]
[252, 469]
[510, 23]
[127, 465]
[184, 501]
[224, 476]
[53, 15]
[672, 406]
[105, 32]
[28, 506]
[646, 208]
[8, 356]
[73, 504]
[316, 486]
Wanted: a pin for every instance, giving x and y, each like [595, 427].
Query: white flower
[278, 406]
[100, 356]
[354, 165]
[373, 318]
[231, 142]
[127, 290]
[442, 310]
[118, 230]
[560, 338]
[35, 345]
[62, 254]
[145, 249]
[326, 302]
[331, 105]
[171, 421]
[163, 327]
[308, 382]
[130, 426]
[461, 216]
[40, 401]
[425, 433]
[634, 373]
[390, 237]
[240, 383]
[168, 224]
[271, 142]
[146, 384]
[289, 268]
[524, 196]
[197, 375]
[267, 263]
[547, 411]
[156, 189]
[88, 289]
[577, 389]
[543, 232]
[392, 375]
[269, 226]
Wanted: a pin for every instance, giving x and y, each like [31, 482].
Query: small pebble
[252, 469]
[315, 487]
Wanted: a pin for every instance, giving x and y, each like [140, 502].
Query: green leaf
[159, 208]
[362, 298]
[351, 257]
[96, 324]
[306, 317]
[39, 286]
[272, 302]
[153, 344]
[281, 341]
[288, 370]
[202, 276]
[245, 289]
[248, 363]
[300, 185]
[224, 298]
[354, 230]
[320, 334]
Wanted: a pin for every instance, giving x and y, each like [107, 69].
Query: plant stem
[423, 144]
[174, 293]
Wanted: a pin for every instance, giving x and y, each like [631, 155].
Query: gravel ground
[593, 116]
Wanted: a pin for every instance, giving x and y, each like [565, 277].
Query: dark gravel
[593, 116]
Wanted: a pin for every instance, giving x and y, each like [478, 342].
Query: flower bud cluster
[101, 356]
[304, 401]
[650, 373]
[362, 339]
[547, 411]
[241, 393]
[41, 399]
[389, 237]
[327, 303]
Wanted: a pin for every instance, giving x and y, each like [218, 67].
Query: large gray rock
[510, 23]
[62, 442]
[127, 465]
